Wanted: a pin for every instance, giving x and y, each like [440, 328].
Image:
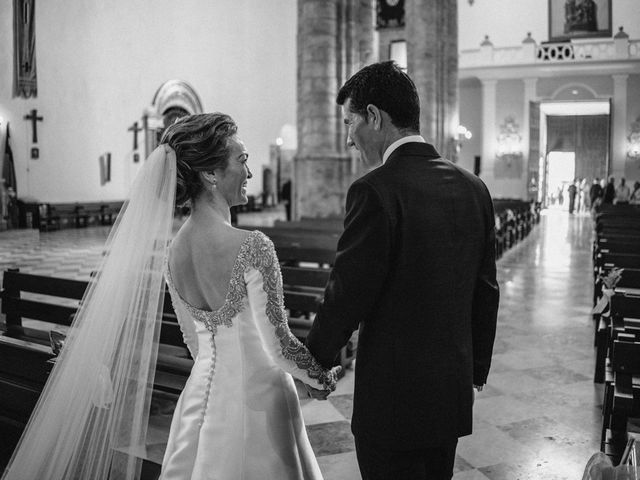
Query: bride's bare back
[201, 261]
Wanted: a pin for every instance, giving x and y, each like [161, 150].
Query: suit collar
[414, 149]
[398, 143]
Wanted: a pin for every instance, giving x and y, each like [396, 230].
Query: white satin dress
[238, 416]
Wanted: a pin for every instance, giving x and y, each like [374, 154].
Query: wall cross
[135, 129]
[33, 116]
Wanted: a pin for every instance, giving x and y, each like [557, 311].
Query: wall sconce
[509, 140]
[463, 132]
[633, 147]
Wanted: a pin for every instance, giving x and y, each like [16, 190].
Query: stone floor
[539, 416]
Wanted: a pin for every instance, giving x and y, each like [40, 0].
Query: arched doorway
[174, 99]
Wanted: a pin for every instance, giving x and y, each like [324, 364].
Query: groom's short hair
[387, 87]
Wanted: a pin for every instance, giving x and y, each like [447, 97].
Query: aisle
[539, 417]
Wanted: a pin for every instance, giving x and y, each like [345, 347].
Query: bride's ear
[208, 178]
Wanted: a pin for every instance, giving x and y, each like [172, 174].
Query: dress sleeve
[264, 291]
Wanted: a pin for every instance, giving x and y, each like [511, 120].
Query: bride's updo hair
[201, 145]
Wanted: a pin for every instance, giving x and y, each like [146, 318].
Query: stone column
[619, 127]
[331, 40]
[367, 44]
[432, 58]
[346, 58]
[488, 132]
[317, 81]
[317, 165]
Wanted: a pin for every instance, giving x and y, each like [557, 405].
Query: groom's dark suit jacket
[415, 270]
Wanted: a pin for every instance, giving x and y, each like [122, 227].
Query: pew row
[616, 267]
[54, 216]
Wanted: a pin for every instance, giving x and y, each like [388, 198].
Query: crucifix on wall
[33, 116]
[135, 129]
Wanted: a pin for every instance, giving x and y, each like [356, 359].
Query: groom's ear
[374, 116]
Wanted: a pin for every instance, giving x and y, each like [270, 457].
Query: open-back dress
[238, 416]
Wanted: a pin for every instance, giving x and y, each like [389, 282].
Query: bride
[238, 415]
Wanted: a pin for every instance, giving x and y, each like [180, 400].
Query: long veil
[91, 420]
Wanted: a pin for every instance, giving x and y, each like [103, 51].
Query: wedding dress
[238, 416]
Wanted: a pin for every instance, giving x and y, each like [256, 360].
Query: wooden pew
[616, 246]
[312, 224]
[26, 354]
[64, 214]
[514, 220]
[622, 383]
[53, 216]
[109, 211]
[628, 285]
[294, 246]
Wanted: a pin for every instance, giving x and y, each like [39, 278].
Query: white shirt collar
[408, 139]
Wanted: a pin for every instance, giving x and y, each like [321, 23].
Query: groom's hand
[323, 394]
[315, 393]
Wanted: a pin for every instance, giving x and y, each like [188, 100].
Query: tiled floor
[539, 416]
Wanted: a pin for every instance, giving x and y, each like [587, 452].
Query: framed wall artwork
[579, 19]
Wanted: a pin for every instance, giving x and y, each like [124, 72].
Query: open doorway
[574, 144]
[561, 170]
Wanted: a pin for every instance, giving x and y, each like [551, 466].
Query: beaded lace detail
[233, 303]
[257, 251]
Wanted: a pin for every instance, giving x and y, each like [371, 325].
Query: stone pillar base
[320, 185]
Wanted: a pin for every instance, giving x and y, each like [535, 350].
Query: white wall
[100, 63]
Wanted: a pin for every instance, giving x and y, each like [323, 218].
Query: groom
[415, 271]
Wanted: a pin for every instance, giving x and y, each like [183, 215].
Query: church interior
[539, 98]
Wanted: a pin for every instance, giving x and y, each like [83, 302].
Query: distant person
[561, 195]
[285, 195]
[609, 191]
[595, 193]
[585, 204]
[572, 190]
[635, 195]
[623, 193]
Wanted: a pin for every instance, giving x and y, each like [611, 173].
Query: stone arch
[174, 99]
[566, 92]
[176, 94]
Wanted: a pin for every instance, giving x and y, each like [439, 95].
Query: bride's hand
[315, 393]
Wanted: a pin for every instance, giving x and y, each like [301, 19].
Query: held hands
[476, 389]
[322, 394]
